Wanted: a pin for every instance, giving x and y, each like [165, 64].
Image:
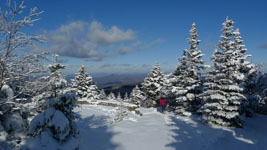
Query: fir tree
[137, 96]
[119, 97]
[256, 92]
[102, 95]
[223, 96]
[56, 83]
[85, 85]
[121, 111]
[245, 67]
[111, 96]
[246, 70]
[152, 86]
[186, 83]
[126, 97]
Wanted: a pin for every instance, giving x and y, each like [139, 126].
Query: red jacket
[163, 101]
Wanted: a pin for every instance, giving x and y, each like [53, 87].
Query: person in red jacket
[162, 103]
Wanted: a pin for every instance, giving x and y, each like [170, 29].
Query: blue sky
[121, 36]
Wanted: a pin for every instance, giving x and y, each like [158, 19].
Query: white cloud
[93, 42]
[109, 36]
[84, 40]
[139, 46]
[122, 50]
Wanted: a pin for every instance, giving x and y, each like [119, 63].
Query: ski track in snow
[156, 131]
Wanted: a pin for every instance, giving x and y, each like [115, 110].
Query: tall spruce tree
[84, 85]
[152, 86]
[186, 83]
[223, 96]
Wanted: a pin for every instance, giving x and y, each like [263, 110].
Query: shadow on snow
[95, 134]
[191, 134]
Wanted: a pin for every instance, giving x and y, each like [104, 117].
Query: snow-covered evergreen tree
[119, 97]
[256, 91]
[126, 97]
[223, 96]
[137, 96]
[85, 85]
[186, 83]
[240, 56]
[55, 80]
[102, 95]
[121, 111]
[111, 96]
[152, 86]
[57, 120]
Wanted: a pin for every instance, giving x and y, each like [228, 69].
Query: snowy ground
[155, 131]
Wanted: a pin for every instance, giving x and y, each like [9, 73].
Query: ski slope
[154, 131]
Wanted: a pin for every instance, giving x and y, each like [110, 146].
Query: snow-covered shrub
[256, 92]
[152, 86]
[121, 112]
[13, 124]
[57, 119]
[6, 93]
[13, 119]
[186, 82]
[84, 85]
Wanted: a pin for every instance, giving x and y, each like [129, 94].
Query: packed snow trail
[154, 131]
[146, 132]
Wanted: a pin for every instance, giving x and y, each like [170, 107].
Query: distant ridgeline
[126, 88]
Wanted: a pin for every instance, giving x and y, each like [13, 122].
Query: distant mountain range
[119, 79]
[114, 79]
[123, 89]
[116, 82]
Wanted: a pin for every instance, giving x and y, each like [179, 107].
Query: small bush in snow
[121, 113]
[57, 120]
